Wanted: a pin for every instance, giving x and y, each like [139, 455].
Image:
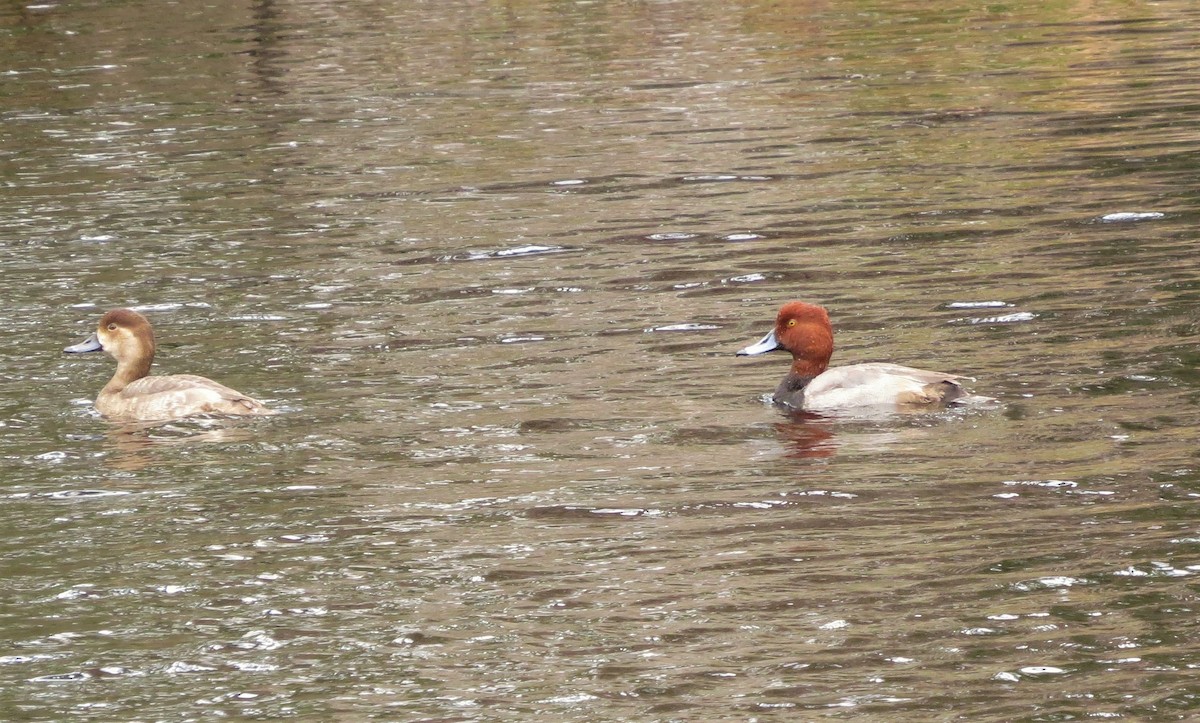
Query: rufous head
[124, 334]
[805, 331]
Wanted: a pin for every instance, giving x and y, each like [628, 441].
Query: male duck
[133, 395]
[805, 331]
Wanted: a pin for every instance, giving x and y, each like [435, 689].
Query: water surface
[493, 261]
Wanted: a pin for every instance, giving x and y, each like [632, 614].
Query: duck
[132, 395]
[804, 330]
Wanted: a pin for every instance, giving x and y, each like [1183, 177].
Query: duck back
[871, 384]
[174, 396]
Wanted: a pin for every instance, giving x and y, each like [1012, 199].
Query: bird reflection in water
[134, 444]
[807, 436]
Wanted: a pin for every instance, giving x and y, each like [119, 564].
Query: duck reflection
[135, 444]
[807, 435]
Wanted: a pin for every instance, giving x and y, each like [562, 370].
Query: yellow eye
[112, 327]
[791, 323]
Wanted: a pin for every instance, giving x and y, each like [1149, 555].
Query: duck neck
[806, 367]
[794, 382]
[130, 370]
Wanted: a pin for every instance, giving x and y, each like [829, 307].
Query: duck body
[804, 330]
[133, 395]
[868, 385]
[173, 396]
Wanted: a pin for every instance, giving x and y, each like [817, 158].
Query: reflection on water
[131, 445]
[805, 437]
[494, 260]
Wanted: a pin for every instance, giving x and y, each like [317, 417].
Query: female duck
[133, 395]
[805, 331]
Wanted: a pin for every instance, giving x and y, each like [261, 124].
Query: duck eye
[112, 327]
[791, 323]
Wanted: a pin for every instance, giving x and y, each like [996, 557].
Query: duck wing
[181, 395]
[880, 383]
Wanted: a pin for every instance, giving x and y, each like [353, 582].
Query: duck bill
[764, 345]
[92, 343]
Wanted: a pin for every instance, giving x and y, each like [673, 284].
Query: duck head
[125, 335]
[805, 331]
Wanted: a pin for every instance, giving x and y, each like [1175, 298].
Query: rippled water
[494, 259]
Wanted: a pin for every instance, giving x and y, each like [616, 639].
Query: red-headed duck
[133, 395]
[805, 331]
